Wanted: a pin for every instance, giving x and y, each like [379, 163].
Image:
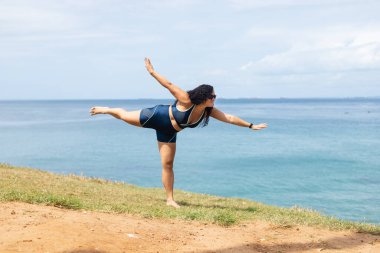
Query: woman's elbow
[231, 119]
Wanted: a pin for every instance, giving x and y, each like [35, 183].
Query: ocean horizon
[317, 153]
[169, 98]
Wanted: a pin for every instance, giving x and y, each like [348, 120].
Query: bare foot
[172, 203]
[98, 110]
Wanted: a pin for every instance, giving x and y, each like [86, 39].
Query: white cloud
[253, 4]
[246, 66]
[30, 28]
[324, 50]
[27, 19]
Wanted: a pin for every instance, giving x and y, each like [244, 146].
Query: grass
[76, 192]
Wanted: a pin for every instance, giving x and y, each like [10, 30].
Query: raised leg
[131, 117]
[167, 152]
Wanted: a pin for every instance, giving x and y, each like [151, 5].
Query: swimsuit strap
[182, 117]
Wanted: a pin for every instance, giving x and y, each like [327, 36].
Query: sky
[95, 49]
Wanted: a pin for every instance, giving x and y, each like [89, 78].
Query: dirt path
[33, 228]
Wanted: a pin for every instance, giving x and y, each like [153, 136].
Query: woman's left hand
[149, 66]
[259, 126]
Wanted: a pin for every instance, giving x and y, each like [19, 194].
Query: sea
[319, 154]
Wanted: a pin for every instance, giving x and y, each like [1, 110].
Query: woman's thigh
[132, 117]
[167, 152]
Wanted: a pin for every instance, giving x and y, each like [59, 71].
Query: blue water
[322, 154]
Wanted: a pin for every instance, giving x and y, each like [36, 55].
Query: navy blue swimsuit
[158, 118]
[182, 117]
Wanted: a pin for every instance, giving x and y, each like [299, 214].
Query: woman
[189, 110]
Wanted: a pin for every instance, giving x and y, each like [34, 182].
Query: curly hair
[200, 95]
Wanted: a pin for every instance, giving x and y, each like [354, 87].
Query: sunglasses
[212, 97]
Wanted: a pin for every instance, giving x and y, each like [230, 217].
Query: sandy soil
[33, 228]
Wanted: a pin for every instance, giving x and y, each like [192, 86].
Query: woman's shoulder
[183, 106]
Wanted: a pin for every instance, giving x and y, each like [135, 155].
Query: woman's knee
[167, 165]
[167, 151]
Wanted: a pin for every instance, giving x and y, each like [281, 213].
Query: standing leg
[167, 152]
[132, 117]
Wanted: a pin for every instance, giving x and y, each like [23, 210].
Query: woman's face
[210, 101]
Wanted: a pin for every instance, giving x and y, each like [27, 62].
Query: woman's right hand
[149, 65]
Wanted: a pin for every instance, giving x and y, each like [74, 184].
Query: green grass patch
[76, 192]
[45, 198]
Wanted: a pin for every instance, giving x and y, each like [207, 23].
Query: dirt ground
[33, 228]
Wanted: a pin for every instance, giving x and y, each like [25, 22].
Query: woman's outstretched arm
[231, 119]
[177, 92]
